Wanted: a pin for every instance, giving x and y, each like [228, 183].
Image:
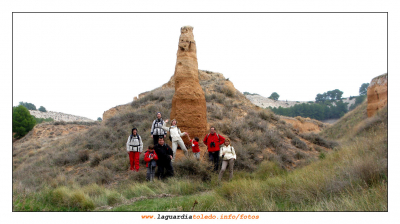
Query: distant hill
[265, 102]
[58, 116]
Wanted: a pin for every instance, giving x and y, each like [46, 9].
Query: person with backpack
[164, 154]
[228, 155]
[213, 142]
[134, 146]
[175, 137]
[156, 129]
[150, 157]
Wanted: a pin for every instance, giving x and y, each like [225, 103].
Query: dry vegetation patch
[90, 169]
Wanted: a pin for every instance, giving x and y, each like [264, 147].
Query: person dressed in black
[165, 154]
[156, 129]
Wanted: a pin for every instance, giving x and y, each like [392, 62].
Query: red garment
[195, 146]
[213, 138]
[134, 160]
[147, 157]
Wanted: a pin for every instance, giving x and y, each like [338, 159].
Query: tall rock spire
[189, 102]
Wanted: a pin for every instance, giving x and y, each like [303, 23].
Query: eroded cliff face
[189, 102]
[114, 111]
[377, 94]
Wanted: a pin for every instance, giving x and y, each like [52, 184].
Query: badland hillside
[85, 167]
[283, 164]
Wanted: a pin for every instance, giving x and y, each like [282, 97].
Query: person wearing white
[156, 129]
[228, 154]
[175, 134]
[134, 146]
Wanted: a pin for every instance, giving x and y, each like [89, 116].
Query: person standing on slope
[150, 157]
[164, 153]
[228, 155]
[156, 129]
[175, 137]
[134, 146]
[213, 141]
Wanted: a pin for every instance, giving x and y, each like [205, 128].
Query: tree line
[318, 111]
[31, 106]
[328, 105]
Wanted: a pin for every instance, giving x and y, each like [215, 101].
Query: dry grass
[90, 170]
[299, 144]
[318, 140]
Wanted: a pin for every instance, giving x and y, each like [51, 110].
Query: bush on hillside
[41, 120]
[157, 95]
[372, 122]
[72, 199]
[60, 123]
[191, 168]
[363, 89]
[318, 140]
[274, 96]
[71, 157]
[359, 100]
[42, 109]
[299, 143]
[268, 115]
[22, 121]
[27, 105]
[222, 88]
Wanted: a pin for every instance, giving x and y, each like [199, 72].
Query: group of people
[161, 155]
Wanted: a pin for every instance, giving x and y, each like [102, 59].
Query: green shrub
[318, 149]
[359, 100]
[114, 198]
[192, 168]
[101, 175]
[64, 197]
[27, 105]
[368, 124]
[268, 169]
[228, 92]
[41, 120]
[42, 109]
[137, 190]
[268, 115]
[215, 112]
[248, 156]
[300, 155]
[299, 143]
[65, 158]
[95, 161]
[159, 95]
[22, 121]
[318, 140]
[138, 176]
[60, 123]
[83, 155]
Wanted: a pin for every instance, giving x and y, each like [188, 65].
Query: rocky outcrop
[114, 111]
[57, 116]
[188, 103]
[377, 94]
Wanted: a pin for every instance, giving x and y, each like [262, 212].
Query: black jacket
[163, 152]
